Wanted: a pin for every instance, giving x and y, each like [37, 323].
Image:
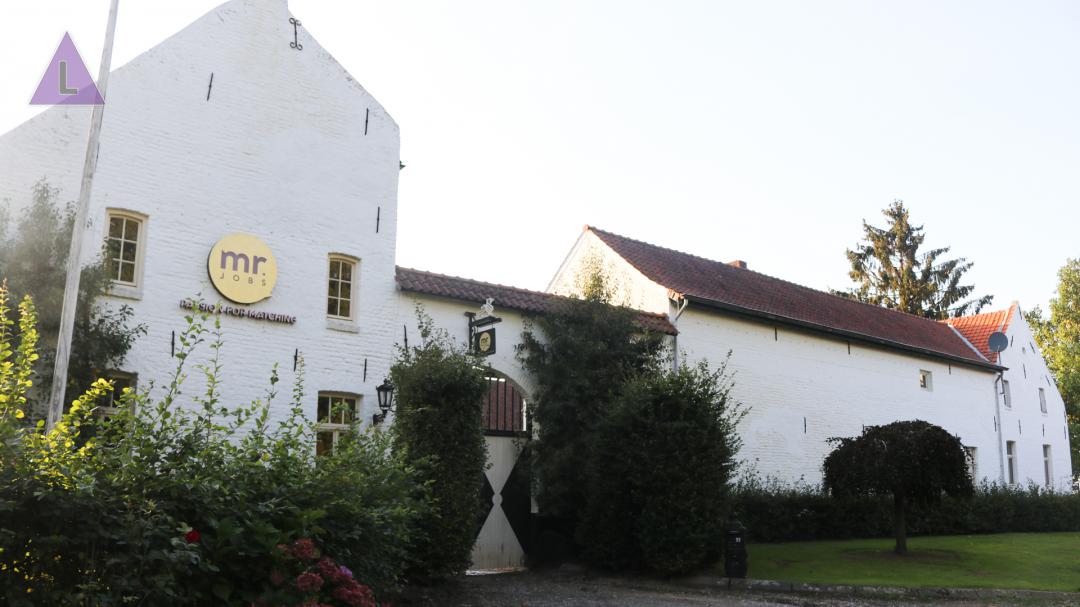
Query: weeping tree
[913, 462]
[889, 269]
[34, 248]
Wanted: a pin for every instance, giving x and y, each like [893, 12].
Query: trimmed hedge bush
[658, 473]
[438, 428]
[774, 512]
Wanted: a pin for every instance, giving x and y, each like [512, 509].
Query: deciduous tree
[1059, 339]
[914, 462]
[33, 256]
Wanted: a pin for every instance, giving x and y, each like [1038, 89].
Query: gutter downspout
[675, 338]
[1001, 437]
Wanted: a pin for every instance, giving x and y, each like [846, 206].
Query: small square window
[926, 380]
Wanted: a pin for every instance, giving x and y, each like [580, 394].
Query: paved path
[557, 589]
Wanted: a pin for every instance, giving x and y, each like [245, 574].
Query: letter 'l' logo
[66, 80]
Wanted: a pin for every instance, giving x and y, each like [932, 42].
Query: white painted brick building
[285, 145]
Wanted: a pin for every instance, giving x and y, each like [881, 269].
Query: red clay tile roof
[744, 291]
[523, 300]
[977, 329]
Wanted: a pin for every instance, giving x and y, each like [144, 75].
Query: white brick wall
[785, 375]
[1024, 422]
[803, 389]
[279, 150]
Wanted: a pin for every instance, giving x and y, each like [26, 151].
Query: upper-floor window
[1042, 400]
[341, 294]
[124, 247]
[926, 380]
[335, 415]
[1006, 393]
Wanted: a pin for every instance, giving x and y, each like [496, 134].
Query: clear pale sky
[763, 131]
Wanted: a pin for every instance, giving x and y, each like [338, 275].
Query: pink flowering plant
[305, 577]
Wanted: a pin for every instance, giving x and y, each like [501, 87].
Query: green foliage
[658, 472]
[438, 429]
[1059, 339]
[33, 258]
[779, 512]
[184, 502]
[914, 462]
[579, 356]
[890, 271]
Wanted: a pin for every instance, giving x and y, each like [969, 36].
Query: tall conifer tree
[889, 270]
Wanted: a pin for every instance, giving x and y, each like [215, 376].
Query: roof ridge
[770, 276]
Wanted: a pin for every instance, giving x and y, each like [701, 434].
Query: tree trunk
[899, 525]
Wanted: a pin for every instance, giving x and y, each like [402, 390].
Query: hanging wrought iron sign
[482, 330]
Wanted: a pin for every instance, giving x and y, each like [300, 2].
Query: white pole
[74, 261]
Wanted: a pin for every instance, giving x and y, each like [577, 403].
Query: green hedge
[773, 512]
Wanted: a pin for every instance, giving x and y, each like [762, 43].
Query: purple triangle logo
[66, 80]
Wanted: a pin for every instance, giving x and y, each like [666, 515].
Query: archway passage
[504, 523]
[504, 406]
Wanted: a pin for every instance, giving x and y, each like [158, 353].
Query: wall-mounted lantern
[385, 392]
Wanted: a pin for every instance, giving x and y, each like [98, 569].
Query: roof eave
[859, 337]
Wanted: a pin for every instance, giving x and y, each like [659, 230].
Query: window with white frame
[110, 403]
[341, 293]
[1010, 456]
[335, 414]
[1042, 400]
[1047, 466]
[926, 380]
[1006, 393]
[971, 454]
[125, 247]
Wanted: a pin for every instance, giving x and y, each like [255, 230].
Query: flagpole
[74, 260]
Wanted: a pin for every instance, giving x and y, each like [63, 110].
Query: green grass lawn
[1034, 561]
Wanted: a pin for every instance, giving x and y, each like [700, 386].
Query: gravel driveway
[561, 589]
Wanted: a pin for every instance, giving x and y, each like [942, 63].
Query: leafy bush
[912, 462]
[777, 512]
[184, 503]
[658, 473]
[579, 355]
[438, 428]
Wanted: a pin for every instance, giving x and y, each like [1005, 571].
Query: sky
[765, 131]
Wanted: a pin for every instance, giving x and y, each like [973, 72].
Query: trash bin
[735, 564]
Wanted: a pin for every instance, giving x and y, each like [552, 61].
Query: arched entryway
[504, 524]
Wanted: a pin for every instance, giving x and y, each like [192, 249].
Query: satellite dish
[998, 342]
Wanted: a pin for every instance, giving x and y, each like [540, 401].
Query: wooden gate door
[505, 518]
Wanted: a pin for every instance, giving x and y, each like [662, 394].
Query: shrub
[778, 512]
[658, 474]
[913, 462]
[438, 428]
[579, 356]
[183, 503]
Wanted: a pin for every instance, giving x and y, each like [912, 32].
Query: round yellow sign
[242, 268]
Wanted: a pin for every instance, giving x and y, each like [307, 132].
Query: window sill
[340, 324]
[124, 292]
